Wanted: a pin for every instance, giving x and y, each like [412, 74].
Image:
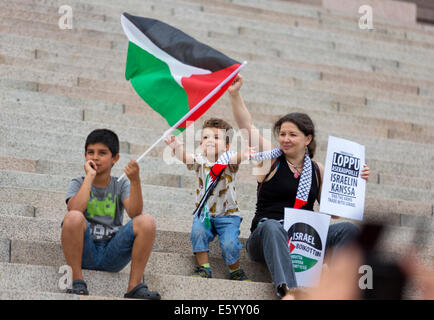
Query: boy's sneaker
[202, 272]
[239, 275]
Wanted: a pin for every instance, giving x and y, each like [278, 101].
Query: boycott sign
[343, 191]
[307, 232]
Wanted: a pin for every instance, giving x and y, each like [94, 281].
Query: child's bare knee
[74, 219]
[145, 223]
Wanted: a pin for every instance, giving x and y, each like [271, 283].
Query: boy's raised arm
[178, 149]
[81, 198]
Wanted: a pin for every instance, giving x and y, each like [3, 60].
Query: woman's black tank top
[280, 192]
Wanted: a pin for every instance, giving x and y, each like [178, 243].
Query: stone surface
[396, 12]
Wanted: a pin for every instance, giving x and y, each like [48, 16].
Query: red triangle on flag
[291, 247]
[199, 86]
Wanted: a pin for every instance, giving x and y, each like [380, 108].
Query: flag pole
[188, 114]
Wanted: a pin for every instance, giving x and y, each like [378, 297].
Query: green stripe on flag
[154, 83]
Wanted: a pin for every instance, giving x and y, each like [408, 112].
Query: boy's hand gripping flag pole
[191, 112]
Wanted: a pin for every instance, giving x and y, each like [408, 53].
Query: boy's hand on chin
[90, 168]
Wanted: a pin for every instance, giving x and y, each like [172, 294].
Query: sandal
[141, 291]
[78, 287]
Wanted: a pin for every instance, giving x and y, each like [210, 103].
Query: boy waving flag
[176, 75]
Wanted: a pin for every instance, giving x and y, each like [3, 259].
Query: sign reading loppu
[343, 190]
[307, 233]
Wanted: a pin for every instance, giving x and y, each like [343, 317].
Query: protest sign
[307, 232]
[343, 190]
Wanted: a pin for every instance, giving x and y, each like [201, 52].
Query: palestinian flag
[172, 72]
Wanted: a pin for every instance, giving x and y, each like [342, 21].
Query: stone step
[173, 234]
[322, 119]
[276, 109]
[46, 130]
[168, 240]
[46, 278]
[314, 19]
[26, 295]
[302, 11]
[105, 19]
[377, 150]
[327, 15]
[32, 295]
[234, 14]
[53, 84]
[86, 64]
[155, 171]
[18, 73]
[367, 125]
[256, 92]
[159, 166]
[80, 37]
[342, 41]
[221, 106]
[46, 110]
[12, 64]
[20, 191]
[53, 19]
[182, 264]
[368, 106]
[40, 98]
[373, 205]
[415, 33]
[40, 124]
[27, 154]
[155, 192]
[104, 12]
[56, 182]
[343, 47]
[178, 215]
[18, 85]
[183, 211]
[111, 57]
[13, 209]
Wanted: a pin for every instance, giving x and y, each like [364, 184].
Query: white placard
[307, 232]
[343, 190]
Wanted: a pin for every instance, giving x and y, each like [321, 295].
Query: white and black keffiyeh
[211, 182]
[305, 179]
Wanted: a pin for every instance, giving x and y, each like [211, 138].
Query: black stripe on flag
[180, 45]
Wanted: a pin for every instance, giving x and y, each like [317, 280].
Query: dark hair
[219, 124]
[105, 136]
[304, 123]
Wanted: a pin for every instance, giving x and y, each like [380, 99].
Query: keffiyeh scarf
[211, 181]
[305, 179]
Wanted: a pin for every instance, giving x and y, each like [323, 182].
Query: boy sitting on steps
[93, 236]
